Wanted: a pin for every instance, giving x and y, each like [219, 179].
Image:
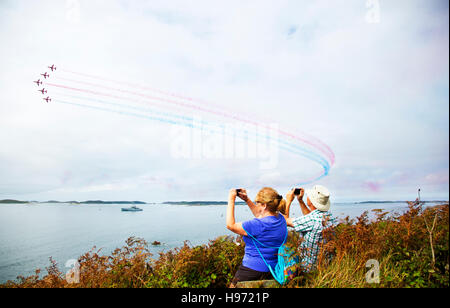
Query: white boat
[134, 208]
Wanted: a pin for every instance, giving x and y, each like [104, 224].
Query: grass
[411, 250]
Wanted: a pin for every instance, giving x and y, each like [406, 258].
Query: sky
[367, 79]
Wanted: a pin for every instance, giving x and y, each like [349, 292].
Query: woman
[268, 228]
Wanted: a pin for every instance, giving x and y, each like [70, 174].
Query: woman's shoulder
[255, 220]
[254, 226]
[276, 220]
[262, 223]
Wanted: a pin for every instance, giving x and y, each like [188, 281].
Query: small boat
[131, 209]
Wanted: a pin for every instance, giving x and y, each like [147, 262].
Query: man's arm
[303, 206]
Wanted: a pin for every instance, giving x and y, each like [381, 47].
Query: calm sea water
[31, 233]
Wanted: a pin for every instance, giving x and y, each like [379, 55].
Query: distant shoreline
[365, 202]
[13, 201]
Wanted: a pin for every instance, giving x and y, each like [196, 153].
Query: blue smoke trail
[304, 152]
[295, 149]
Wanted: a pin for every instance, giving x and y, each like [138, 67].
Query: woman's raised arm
[243, 195]
[231, 222]
[289, 198]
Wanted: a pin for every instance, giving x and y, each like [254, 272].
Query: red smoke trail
[131, 85]
[170, 101]
[106, 95]
[318, 144]
[103, 87]
[113, 96]
[325, 149]
[147, 88]
[306, 153]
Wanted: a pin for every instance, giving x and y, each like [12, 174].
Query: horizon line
[200, 201]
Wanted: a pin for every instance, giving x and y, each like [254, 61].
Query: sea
[31, 233]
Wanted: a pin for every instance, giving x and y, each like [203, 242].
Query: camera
[297, 191]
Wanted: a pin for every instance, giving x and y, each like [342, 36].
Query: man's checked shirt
[311, 226]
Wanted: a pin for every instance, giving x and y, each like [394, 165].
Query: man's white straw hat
[320, 197]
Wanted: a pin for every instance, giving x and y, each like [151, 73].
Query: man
[316, 218]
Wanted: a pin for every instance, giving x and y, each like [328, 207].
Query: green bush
[412, 250]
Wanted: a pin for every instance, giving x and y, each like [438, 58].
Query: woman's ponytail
[272, 199]
[282, 207]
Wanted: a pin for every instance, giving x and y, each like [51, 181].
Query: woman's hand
[231, 222]
[290, 196]
[242, 194]
[232, 194]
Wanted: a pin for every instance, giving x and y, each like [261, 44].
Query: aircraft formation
[39, 83]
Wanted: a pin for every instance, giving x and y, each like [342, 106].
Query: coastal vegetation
[411, 250]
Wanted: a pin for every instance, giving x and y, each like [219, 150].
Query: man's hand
[300, 196]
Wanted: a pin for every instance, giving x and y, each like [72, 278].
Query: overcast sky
[369, 79]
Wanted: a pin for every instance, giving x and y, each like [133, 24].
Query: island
[11, 201]
[8, 201]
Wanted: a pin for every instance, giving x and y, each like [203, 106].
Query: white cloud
[376, 93]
